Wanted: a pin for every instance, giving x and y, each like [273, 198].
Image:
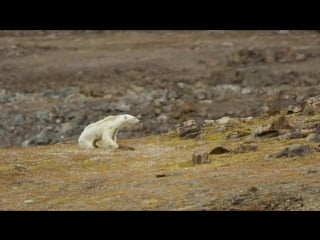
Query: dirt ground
[53, 83]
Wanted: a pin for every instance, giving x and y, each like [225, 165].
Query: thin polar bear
[103, 133]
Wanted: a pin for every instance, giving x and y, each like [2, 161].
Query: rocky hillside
[54, 83]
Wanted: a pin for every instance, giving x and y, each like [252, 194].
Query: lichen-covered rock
[188, 129]
[246, 147]
[265, 131]
[294, 109]
[200, 158]
[274, 129]
[292, 135]
[312, 106]
[295, 150]
[237, 134]
[313, 137]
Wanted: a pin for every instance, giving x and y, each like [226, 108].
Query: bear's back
[106, 119]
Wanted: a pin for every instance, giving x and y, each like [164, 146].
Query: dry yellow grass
[159, 175]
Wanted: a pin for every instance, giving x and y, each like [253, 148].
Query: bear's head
[128, 119]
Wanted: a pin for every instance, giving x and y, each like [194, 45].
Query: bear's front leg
[83, 143]
[107, 142]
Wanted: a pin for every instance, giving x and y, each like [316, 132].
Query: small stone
[25, 143]
[206, 123]
[227, 44]
[20, 167]
[160, 175]
[223, 120]
[201, 96]
[29, 201]
[253, 189]
[180, 85]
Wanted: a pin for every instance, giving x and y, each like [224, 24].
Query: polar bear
[103, 133]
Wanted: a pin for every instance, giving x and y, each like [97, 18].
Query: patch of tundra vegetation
[153, 151]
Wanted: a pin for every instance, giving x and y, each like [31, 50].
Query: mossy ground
[159, 175]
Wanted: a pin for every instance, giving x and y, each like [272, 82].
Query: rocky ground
[228, 121]
[54, 83]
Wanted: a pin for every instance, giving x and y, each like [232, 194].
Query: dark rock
[311, 172]
[200, 158]
[219, 150]
[268, 133]
[160, 175]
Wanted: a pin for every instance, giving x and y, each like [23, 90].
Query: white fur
[103, 134]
